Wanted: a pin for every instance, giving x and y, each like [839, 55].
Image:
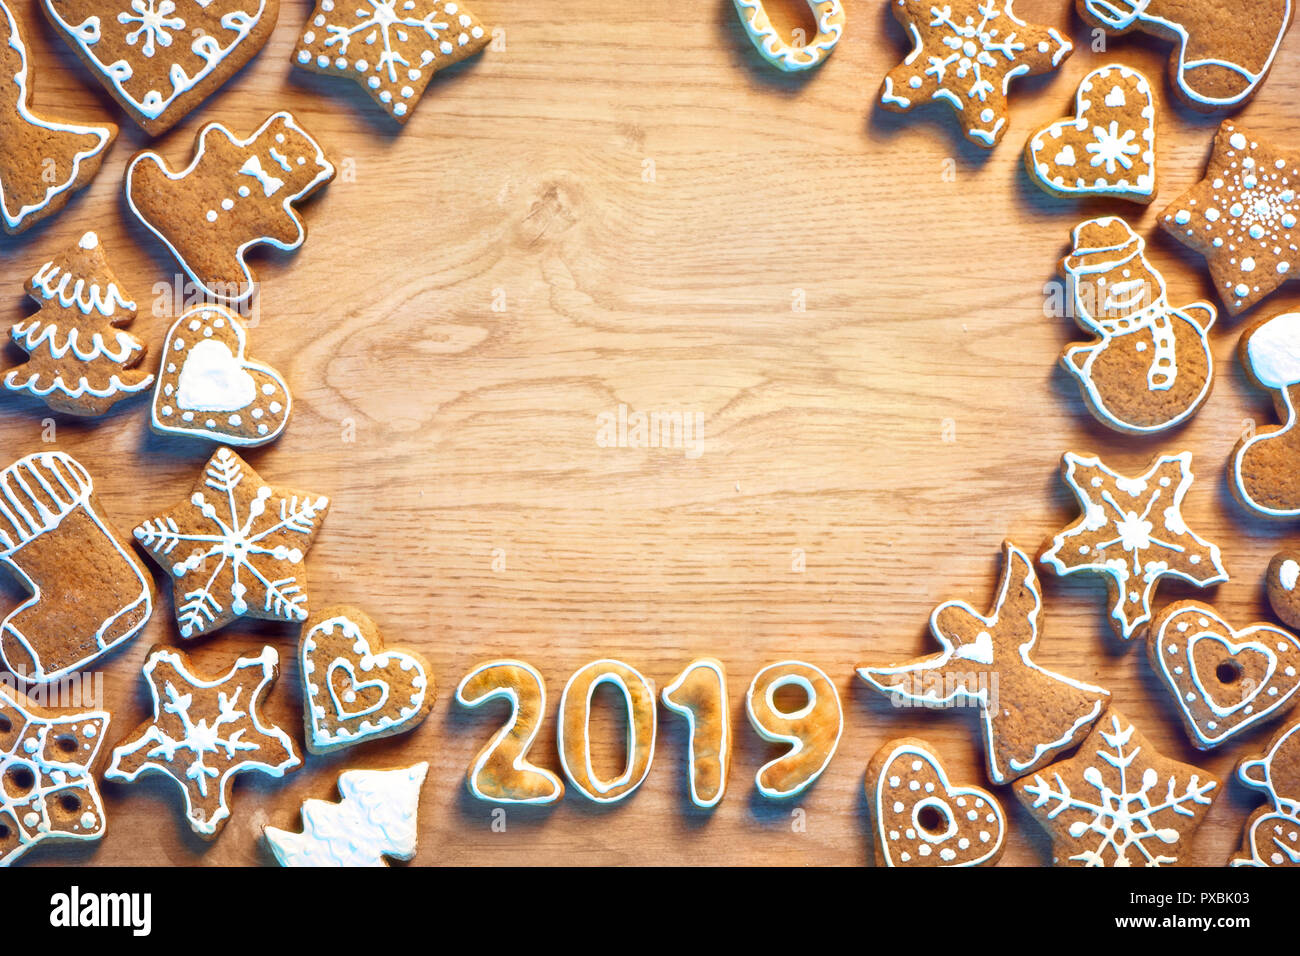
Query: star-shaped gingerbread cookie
[235, 548]
[205, 732]
[1132, 531]
[1242, 217]
[966, 53]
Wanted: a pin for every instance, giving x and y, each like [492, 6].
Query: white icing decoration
[724, 710]
[802, 681]
[591, 786]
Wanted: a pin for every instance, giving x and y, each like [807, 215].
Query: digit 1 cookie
[812, 729]
[89, 592]
[1132, 533]
[1108, 148]
[574, 735]
[1223, 680]
[699, 693]
[1030, 714]
[1241, 217]
[1272, 833]
[775, 49]
[966, 53]
[47, 758]
[205, 731]
[235, 547]
[1149, 367]
[161, 58]
[391, 48]
[234, 195]
[80, 361]
[209, 388]
[1263, 472]
[355, 689]
[1221, 53]
[376, 818]
[44, 160]
[923, 820]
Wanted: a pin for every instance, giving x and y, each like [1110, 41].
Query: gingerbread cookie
[1272, 833]
[1222, 52]
[1223, 680]
[1030, 714]
[241, 547]
[777, 50]
[47, 758]
[205, 732]
[355, 689]
[1242, 217]
[574, 738]
[1263, 472]
[377, 818]
[699, 694]
[1108, 148]
[80, 360]
[1118, 802]
[162, 58]
[1149, 367]
[209, 388]
[966, 53]
[501, 772]
[1132, 533]
[923, 820]
[44, 160]
[89, 592]
[392, 50]
[812, 729]
[1282, 584]
[234, 195]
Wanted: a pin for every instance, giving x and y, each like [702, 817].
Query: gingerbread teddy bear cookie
[1272, 833]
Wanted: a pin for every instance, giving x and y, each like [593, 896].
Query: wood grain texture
[892, 434]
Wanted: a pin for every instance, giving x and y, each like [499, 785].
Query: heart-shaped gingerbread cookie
[922, 819]
[208, 388]
[1108, 148]
[1223, 679]
[356, 690]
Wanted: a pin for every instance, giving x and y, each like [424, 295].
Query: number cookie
[774, 48]
[1263, 472]
[699, 693]
[812, 730]
[574, 738]
[1272, 833]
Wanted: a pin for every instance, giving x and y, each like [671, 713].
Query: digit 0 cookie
[1263, 472]
[773, 47]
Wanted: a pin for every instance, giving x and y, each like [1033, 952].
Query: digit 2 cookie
[501, 772]
[966, 53]
[1150, 366]
[161, 58]
[1264, 472]
[1030, 714]
[209, 388]
[775, 49]
[1272, 833]
[1108, 148]
[234, 195]
[44, 160]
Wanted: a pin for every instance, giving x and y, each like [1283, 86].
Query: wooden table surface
[626, 206]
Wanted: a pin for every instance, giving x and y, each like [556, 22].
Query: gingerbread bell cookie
[44, 160]
[161, 58]
[1118, 802]
[921, 819]
[777, 50]
[392, 49]
[80, 360]
[1263, 472]
[811, 728]
[1149, 366]
[1108, 148]
[1242, 217]
[1132, 533]
[204, 732]
[235, 547]
[234, 195]
[1222, 52]
[1272, 833]
[965, 54]
[1029, 713]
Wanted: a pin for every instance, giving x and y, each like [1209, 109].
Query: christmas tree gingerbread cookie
[391, 47]
[1272, 833]
[966, 53]
[81, 362]
[234, 195]
[1030, 714]
[1264, 473]
[780, 52]
[44, 160]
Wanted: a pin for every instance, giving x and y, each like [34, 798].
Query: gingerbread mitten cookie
[1030, 714]
[1265, 467]
[1272, 833]
[777, 49]
[235, 194]
[43, 160]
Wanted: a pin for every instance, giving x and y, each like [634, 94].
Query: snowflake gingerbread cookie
[1132, 532]
[1118, 802]
[391, 47]
[966, 53]
[777, 50]
[161, 58]
[205, 732]
[235, 548]
[1272, 833]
